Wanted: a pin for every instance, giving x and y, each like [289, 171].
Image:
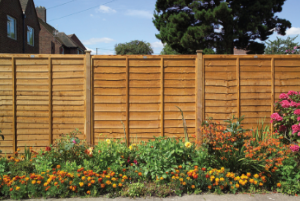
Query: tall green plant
[184, 126]
[262, 132]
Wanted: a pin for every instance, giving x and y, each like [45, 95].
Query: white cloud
[93, 51]
[106, 9]
[93, 41]
[293, 31]
[157, 44]
[140, 13]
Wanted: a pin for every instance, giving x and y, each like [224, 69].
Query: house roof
[66, 40]
[77, 41]
[24, 4]
[49, 28]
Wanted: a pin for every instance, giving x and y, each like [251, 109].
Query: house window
[30, 36]
[11, 27]
[62, 50]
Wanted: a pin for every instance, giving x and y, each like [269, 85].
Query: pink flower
[276, 117]
[290, 93]
[282, 128]
[294, 148]
[74, 141]
[297, 112]
[283, 96]
[295, 47]
[135, 161]
[293, 104]
[298, 104]
[295, 128]
[285, 104]
[271, 121]
[298, 134]
[286, 50]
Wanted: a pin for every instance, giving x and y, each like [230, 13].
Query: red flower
[195, 176]
[207, 176]
[203, 169]
[48, 148]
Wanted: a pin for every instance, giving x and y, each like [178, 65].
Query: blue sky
[105, 23]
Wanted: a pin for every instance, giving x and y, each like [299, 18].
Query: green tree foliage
[168, 50]
[282, 46]
[190, 25]
[133, 47]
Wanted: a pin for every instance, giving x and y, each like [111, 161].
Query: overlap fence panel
[247, 85]
[142, 92]
[42, 96]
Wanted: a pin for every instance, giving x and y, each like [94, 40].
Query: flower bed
[230, 160]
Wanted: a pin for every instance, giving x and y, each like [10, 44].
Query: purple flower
[276, 117]
[283, 96]
[285, 104]
[286, 51]
[295, 128]
[293, 51]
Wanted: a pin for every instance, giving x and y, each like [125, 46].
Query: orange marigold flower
[140, 174]
[120, 185]
[88, 192]
[209, 186]
[193, 186]
[102, 185]
[58, 166]
[278, 185]
[179, 166]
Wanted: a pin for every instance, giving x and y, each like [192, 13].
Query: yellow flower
[81, 184]
[222, 179]
[130, 147]
[188, 178]
[108, 182]
[114, 185]
[255, 182]
[107, 176]
[17, 188]
[83, 178]
[181, 179]
[161, 178]
[120, 185]
[256, 176]
[108, 141]
[33, 182]
[184, 183]
[46, 184]
[237, 185]
[188, 144]
[26, 178]
[217, 179]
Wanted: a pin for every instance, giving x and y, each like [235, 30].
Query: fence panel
[142, 93]
[42, 96]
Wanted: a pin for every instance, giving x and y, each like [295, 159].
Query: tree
[133, 47]
[190, 25]
[168, 50]
[282, 46]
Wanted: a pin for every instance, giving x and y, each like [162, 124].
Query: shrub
[162, 155]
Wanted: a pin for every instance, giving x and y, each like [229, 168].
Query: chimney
[41, 12]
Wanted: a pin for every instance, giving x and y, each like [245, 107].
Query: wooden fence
[43, 96]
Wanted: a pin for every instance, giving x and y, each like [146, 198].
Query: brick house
[19, 27]
[54, 42]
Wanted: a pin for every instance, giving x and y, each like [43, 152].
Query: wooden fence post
[87, 125]
[50, 99]
[238, 86]
[272, 90]
[162, 98]
[14, 92]
[127, 102]
[199, 87]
